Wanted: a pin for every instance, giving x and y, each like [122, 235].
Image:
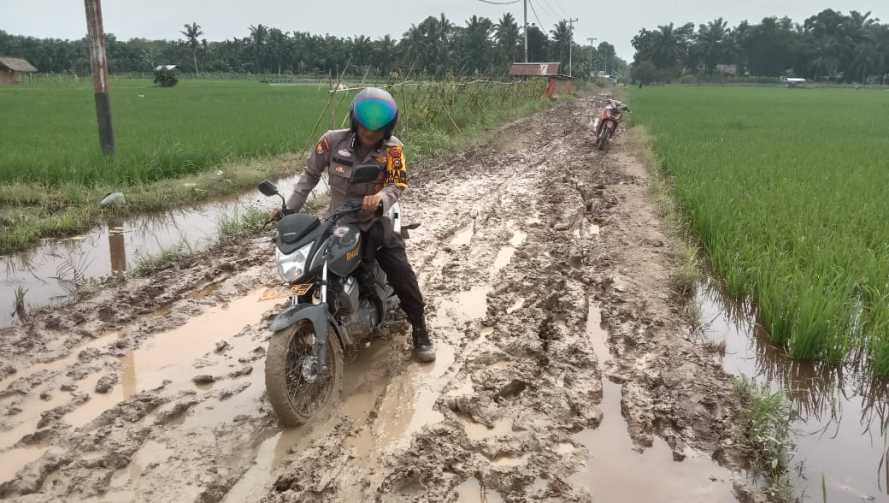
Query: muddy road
[566, 370]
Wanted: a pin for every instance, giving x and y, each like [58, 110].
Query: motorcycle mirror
[366, 174]
[267, 188]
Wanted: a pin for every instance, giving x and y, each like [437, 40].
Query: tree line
[830, 45]
[435, 47]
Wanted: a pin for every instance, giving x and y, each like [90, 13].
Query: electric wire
[500, 3]
[549, 8]
[563, 12]
[534, 11]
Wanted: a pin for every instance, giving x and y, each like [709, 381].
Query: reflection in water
[117, 247]
[841, 411]
[53, 271]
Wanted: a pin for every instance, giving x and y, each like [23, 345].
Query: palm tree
[193, 32]
[507, 34]
[477, 44]
[561, 42]
[711, 43]
[259, 35]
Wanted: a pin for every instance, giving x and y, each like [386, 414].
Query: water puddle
[616, 471]
[468, 305]
[52, 272]
[167, 357]
[510, 461]
[472, 491]
[478, 432]
[171, 356]
[504, 255]
[254, 484]
[842, 415]
[464, 236]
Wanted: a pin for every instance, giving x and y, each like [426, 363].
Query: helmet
[375, 109]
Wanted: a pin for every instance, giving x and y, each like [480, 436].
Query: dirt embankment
[565, 369]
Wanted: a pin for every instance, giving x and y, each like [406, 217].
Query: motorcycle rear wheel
[294, 400]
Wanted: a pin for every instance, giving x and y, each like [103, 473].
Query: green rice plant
[785, 192]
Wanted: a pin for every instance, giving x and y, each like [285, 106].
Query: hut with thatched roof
[13, 69]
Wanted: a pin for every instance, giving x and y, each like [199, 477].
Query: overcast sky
[223, 19]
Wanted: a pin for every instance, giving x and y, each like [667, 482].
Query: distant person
[373, 115]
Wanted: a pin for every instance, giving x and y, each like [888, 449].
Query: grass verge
[194, 144]
[764, 435]
[686, 273]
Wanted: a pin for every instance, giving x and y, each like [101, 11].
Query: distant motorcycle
[606, 124]
[328, 313]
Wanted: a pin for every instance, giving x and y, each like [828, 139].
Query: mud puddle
[841, 415]
[169, 361]
[472, 491]
[617, 470]
[53, 272]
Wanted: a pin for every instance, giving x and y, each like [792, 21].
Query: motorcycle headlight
[291, 266]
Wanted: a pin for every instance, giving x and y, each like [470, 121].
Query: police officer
[373, 115]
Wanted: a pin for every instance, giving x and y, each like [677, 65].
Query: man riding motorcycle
[373, 116]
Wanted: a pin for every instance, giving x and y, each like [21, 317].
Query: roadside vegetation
[784, 191]
[764, 434]
[199, 140]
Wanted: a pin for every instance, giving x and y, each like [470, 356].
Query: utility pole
[571, 43]
[526, 31]
[592, 41]
[99, 64]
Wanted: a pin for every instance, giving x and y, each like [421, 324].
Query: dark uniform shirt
[337, 153]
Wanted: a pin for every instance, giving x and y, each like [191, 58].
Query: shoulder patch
[395, 168]
[323, 146]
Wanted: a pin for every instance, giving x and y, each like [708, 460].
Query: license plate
[300, 289]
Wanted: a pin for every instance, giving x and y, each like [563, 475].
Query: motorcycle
[606, 124]
[327, 314]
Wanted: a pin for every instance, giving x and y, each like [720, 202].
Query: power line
[563, 12]
[535, 15]
[551, 10]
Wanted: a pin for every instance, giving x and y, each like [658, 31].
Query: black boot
[424, 350]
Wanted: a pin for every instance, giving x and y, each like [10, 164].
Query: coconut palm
[193, 33]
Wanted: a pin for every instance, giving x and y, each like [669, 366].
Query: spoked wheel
[294, 399]
[604, 136]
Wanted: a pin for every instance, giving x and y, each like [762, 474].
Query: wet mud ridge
[565, 369]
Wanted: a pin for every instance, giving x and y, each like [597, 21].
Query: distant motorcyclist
[373, 115]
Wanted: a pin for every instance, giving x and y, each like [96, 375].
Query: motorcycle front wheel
[295, 400]
[604, 137]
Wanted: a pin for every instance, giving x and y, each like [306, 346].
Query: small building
[12, 70]
[556, 82]
[727, 69]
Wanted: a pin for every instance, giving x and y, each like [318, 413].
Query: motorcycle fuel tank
[344, 250]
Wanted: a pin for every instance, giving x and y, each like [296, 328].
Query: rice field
[49, 136]
[172, 142]
[786, 191]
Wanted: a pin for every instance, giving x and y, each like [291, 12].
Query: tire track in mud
[524, 245]
[514, 292]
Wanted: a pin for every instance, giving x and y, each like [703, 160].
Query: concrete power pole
[571, 44]
[99, 64]
[592, 41]
[526, 31]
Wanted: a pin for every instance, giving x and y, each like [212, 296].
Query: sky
[616, 21]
